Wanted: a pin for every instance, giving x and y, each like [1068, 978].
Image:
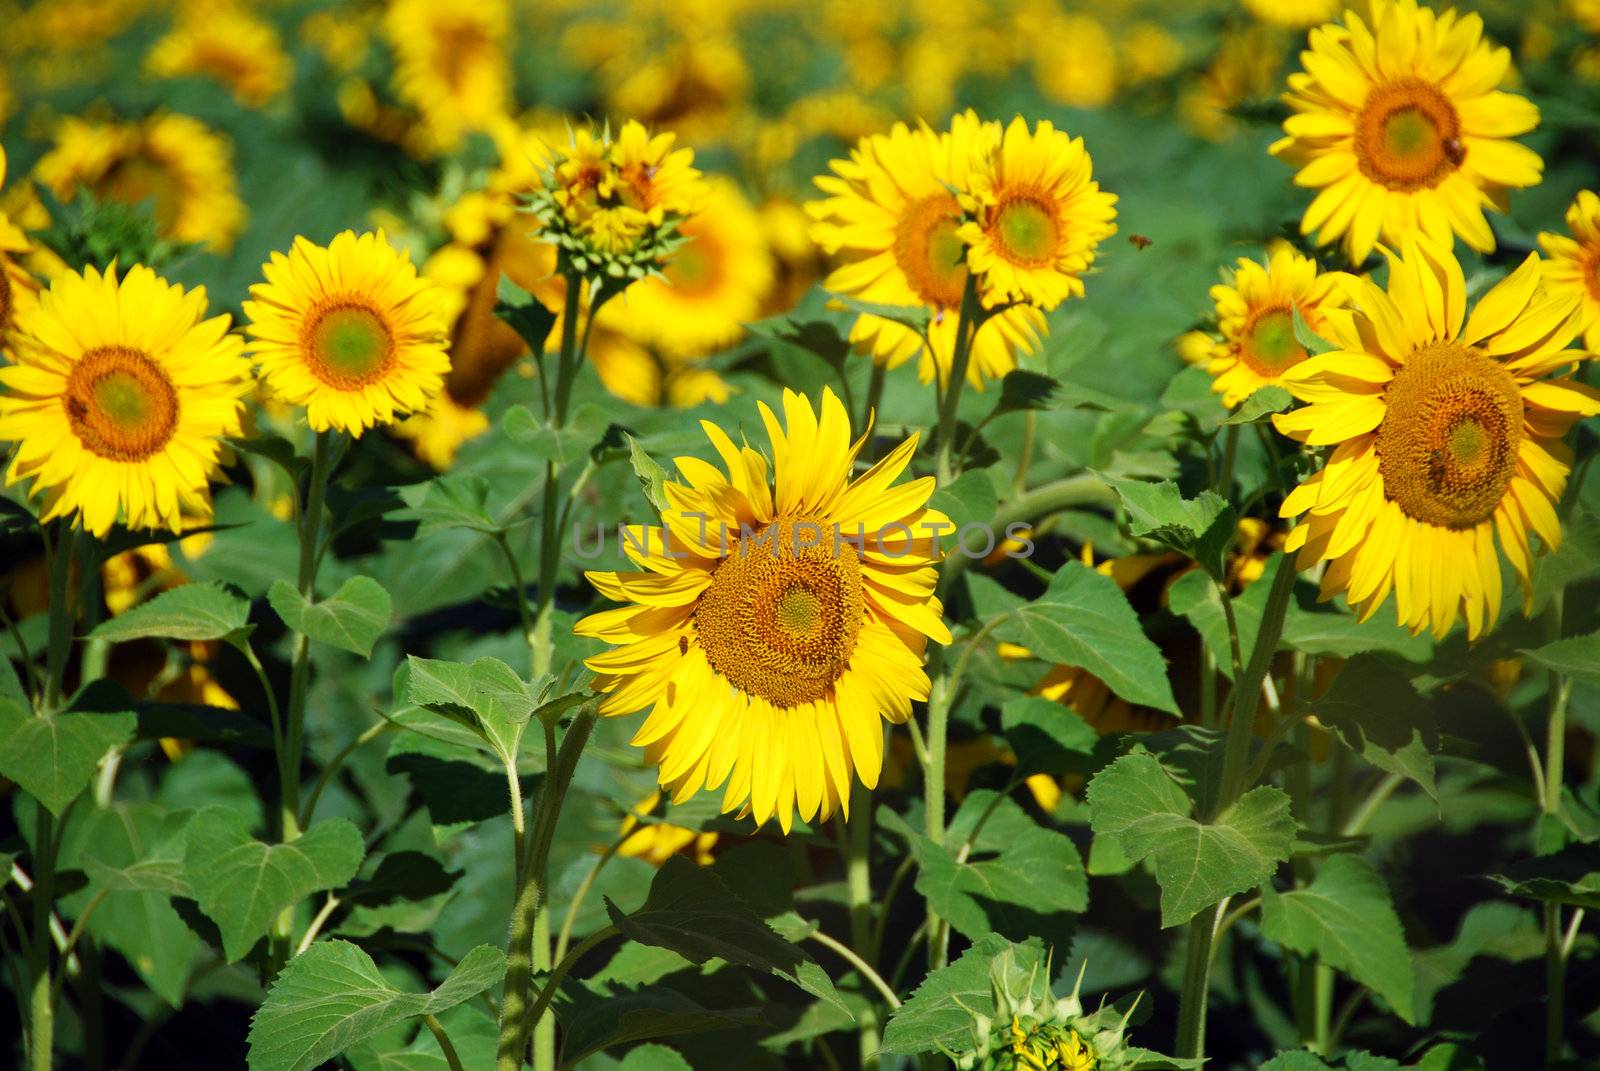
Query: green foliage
[53, 754]
[191, 612]
[350, 619]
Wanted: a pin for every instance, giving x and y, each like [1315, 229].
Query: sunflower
[890, 215]
[1255, 313]
[655, 841]
[119, 398]
[769, 643]
[349, 331]
[1444, 436]
[439, 432]
[450, 63]
[173, 161]
[710, 286]
[229, 45]
[1037, 216]
[1401, 129]
[1574, 264]
[17, 287]
[1295, 14]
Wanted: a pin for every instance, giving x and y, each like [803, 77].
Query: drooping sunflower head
[118, 399]
[1036, 216]
[182, 168]
[451, 63]
[891, 216]
[775, 622]
[350, 331]
[1574, 264]
[1447, 432]
[710, 286]
[612, 204]
[1255, 315]
[231, 46]
[1400, 128]
[656, 841]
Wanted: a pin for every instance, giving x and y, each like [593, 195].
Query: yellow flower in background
[1255, 313]
[1574, 265]
[1295, 14]
[891, 216]
[1444, 436]
[1245, 68]
[1038, 216]
[1149, 51]
[349, 331]
[176, 163]
[228, 45]
[439, 432]
[451, 63]
[768, 659]
[1401, 129]
[695, 85]
[690, 386]
[1585, 13]
[119, 399]
[1075, 61]
[655, 842]
[341, 36]
[709, 288]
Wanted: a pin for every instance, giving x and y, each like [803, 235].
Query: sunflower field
[834, 535]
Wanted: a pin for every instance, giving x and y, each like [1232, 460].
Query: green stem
[310, 531]
[371, 733]
[520, 594]
[564, 936]
[60, 643]
[517, 1022]
[939, 700]
[450, 1058]
[581, 949]
[1555, 955]
[1082, 489]
[856, 836]
[1230, 453]
[549, 532]
[949, 402]
[872, 977]
[874, 396]
[1243, 702]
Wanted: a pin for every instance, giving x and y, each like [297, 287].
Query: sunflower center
[121, 404]
[783, 611]
[1447, 447]
[349, 346]
[932, 258]
[137, 179]
[1269, 346]
[1408, 136]
[1027, 231]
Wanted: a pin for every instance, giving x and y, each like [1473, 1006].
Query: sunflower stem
[966, 329]
[309, 529]
[856, 839]
[549, 535]
[1555, 953]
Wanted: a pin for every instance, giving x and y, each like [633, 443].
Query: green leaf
[526, 315]
[242, 884]
[350, 619]
[968, 499]
[593, 1020]
[332, 996]
[1136, 801]
[1264, 402]
[1378, 713]
[276, 449]
[1345, 918]
[1018, 879]
[915, 317]
[488, 694]
[1022, 389]
[54, 756]
[693, 912]
[651, 475]
[938, 1017]
[1313, 342]
[1577, 657]
[585, 427]
[456, 500]
[1083, 619]
[1570, 876]
[1045, 734]
[1195, 596]
[1202, 527]
[190, 612]
[654, 1058]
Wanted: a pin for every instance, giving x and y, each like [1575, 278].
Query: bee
[1454, 151]
[683, 645]
[1140, 242]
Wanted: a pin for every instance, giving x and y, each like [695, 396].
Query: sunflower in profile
[772, 625]
[710, 286]
[178, 164]
[451, 64]
[1401, 129]
[1255, 313]
[1446, 432]
[228, 45]
[1037, 216]
[349, 331]
[119, 398]
[891, 216]
[1574, 264]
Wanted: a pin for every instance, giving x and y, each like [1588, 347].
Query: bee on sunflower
[1446, 432]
